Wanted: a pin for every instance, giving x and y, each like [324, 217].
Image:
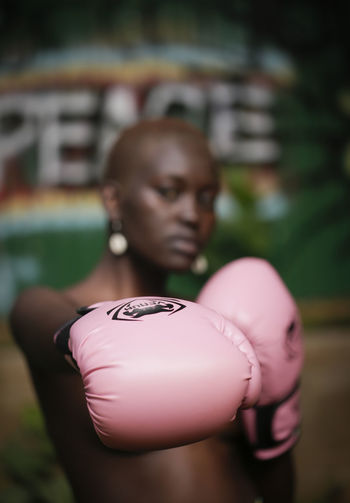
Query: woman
[158, 190]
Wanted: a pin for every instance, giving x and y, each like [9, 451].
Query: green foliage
[311, 244]
[30, 466]
[298, 120]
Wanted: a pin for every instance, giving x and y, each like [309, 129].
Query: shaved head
[161, 181]
[134, 148]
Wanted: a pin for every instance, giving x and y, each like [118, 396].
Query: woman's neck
[135, 275]
[120, 277]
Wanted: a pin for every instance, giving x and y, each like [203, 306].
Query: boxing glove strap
[85, 310]
[62, 336]
[264, 421]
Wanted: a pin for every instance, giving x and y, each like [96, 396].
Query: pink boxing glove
[160, 372]
[250, 293]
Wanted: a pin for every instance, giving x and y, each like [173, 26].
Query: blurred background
[268, 83]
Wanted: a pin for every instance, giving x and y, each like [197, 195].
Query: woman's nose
[189, 210]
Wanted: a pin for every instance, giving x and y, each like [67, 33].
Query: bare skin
[168, 198]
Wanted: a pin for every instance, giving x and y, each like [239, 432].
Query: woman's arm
[36, 315]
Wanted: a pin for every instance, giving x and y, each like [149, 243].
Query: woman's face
[167, 204]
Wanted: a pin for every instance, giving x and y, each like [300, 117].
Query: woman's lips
[188, 246]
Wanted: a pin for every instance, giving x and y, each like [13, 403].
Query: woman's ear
[110, 194]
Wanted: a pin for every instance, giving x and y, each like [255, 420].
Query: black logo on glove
[138, 308]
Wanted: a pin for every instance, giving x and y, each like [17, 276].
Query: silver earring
[118, 243]
[200, 265]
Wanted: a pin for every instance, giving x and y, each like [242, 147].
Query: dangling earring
[118, 243]
[200, 265]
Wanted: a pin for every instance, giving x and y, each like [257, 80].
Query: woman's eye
[169, 193]
[206, 199]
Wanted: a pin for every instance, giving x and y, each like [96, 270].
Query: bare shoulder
[34, 297]
[34, 318]
[38, 303]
